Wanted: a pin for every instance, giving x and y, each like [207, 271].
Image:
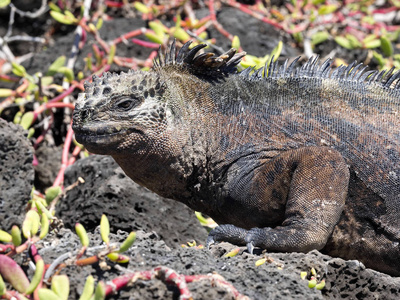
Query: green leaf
[154, 38]
[379, 58]
[111, 54]
[128, 242]
[368, 19]
[118, 258]
[232, 253]
[100, 292]
[320, 285]
[46, 294]
[60, 286]
[319, 37]
[31, 132]
[353, 40]
[5, 237]
[99, 24]
[16, 235]
[44, 226]
[31, 223]
[13, 273]
[42, 209]
[64, 19]
[298, 36]
[276, 52]
[2, 286]
[141, 7]
[236, 42]
[6, 92]
[56, 65]
[386, 46]
[18, 70]
[68, 73]
[303, 275]
[368, 38]
[4, 3]
[249, 61]
[27, 119]
[88, 289]
[372, 44]
[82, 234]
[37, 277]
[158, 28]
[327, 9]
[54, 7]
[52, 192]
[312, 283]
[104, 229]
[181, 34]
[343, 42]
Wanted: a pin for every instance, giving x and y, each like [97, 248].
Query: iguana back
[352, 111]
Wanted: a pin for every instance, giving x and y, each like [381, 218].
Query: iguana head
[135, 111]
[120, 110]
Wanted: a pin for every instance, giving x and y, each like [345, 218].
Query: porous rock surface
[165, 224]
[16, 173]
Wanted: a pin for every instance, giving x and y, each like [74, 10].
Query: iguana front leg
[310, 186]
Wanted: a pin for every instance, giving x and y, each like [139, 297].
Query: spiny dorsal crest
[207, 64]
[353, 73]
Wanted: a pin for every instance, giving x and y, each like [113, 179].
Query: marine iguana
[295, 159]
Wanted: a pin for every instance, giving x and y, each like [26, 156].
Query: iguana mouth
[101, 135]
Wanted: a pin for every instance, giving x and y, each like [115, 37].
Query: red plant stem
[64, 161]
[81, 252]
[8, 78]
[51, 104]
[246, 10]
[385, 10]
[82, 42]
[121, 281]
[87, 261]
[149, 60]
[171, 276]
[44, 132]
[12, 295]
[146, 44]
[22, 87]
[64, 94]
[216, 24]
[75, 153]
[36, 257]
[113, 4]
[5, 248]
[35, 254]
[35, 161]
[129, 35]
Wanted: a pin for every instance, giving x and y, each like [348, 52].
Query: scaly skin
[303, 158]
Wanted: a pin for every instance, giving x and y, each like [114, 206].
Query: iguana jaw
[101, 139]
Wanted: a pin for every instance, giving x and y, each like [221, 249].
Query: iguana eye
[126, 103]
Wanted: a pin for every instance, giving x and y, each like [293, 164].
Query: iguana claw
[250, 247]
[210, 241]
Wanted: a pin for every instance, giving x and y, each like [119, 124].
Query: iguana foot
[227, 233]
[238, 236]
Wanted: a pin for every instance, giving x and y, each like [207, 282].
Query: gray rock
[16, 173]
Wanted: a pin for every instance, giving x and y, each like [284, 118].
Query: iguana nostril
[85, 114]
